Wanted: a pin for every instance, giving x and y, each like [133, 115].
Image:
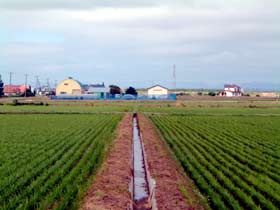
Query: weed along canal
[142, 184]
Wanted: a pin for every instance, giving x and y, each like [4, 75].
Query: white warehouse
[157, 90]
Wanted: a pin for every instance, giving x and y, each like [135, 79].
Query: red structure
[16, 89]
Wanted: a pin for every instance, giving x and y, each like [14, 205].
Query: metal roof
[159, 86]
[104, 89]
[230, 85]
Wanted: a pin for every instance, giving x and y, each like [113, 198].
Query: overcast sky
[137, 42]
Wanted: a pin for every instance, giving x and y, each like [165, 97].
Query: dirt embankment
[110, 187]
[173, 190]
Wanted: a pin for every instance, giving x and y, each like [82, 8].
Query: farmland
[192, 106]
[47, 161]
[233, 160]
[227, 153]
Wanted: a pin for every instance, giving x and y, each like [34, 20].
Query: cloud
[92, 4]
[96, 40]
[70, 4]
[220, 58]
[28, 50]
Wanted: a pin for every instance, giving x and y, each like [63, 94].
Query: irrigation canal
[142, 184]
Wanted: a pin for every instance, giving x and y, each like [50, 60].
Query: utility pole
[26, 75]
[38, 85]
[174, 77]
[10, 87]
[48, 84]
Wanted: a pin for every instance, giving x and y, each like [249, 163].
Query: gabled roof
[231, 86]
[159, 86]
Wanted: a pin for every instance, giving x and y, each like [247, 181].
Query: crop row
[217, 155]
[52, 171]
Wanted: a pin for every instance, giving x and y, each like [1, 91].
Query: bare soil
[110, 189]
[173, 190]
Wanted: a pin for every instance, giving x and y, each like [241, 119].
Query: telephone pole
[174, 77]
[10, 87]
[26, 75]
[38, 85]
[48, 84]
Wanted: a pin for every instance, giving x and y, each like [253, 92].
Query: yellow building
[69, 87]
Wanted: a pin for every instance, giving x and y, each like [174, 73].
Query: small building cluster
[71, 86]
[73, 89]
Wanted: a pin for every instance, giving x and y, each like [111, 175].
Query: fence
[168, 97]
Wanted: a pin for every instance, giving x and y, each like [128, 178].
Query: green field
[47, 161]
[66, 109]
[233, 160]
[50, 153]
[211, 111]
[178, 108]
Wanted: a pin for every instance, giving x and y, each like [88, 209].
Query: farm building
[69, 87]
[157, 91]
[16, 90]
[231, 90]
[99, 90]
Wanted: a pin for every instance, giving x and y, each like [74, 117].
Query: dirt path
[173, 190]
[110, 187]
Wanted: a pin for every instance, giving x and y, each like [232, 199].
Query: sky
[136, 43]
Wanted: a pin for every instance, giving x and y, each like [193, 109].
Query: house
[231, 90]
[157, 91]
[69, 87]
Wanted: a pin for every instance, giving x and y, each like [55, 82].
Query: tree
[211, 93]
[114, 89]
[131, 90]
[1, 86]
